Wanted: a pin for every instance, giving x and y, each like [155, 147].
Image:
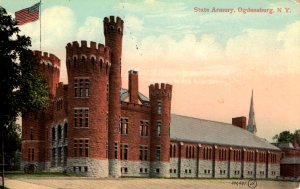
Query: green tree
[287, 136]
[21, 87]
[13, 138]
[297, 136]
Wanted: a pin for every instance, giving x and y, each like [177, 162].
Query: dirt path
[89, 183]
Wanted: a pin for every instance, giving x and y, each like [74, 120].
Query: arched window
[66, 130]
[101, 62]
[174, 151]
[93, 59]
[74, 59]
[53, 133]
[186, 151]
[59, 132]
[83, 58]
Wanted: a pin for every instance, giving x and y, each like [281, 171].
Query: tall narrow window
[80, 118]
[146, 128]
[141, 153]
[121, 151]
[141, 128]
[159, 107]
[87, 88]
[116, 150]
[174, 151]
[146, 153]
[86, 121]
[31, 134]
[126, 127]
[120, 125]
[80, 148]
[157, 153]
[86, 148]
[75, 118]
[187, 152]
[75, 148]
[66, 130]
[81, 87]
[126, 152]
[158, 128]
[75, 87]
[59, 132]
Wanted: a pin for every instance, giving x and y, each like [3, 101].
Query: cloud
[133, 23]
[205, 60]
[58, 28]
[92, 30]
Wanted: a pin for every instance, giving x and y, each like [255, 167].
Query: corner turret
[160, 102]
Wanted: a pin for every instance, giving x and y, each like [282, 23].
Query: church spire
[251, 121]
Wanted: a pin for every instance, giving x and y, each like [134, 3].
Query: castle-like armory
[96, 127]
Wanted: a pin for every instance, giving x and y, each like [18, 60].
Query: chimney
[133, 86]
[239, 122]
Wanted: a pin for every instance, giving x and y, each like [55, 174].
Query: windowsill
[81, 127]
[144, 136]
[81, 97]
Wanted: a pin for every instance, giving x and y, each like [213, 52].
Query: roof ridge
[202, 119]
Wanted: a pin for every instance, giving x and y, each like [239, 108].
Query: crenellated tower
[34, 133]
[113, 32]
[160, 102]
[88, 75]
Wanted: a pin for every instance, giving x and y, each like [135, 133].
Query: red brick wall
[95, 67]
[36, 122]
[161, 94]
[113, 32]
[135, 113]
[290, 170]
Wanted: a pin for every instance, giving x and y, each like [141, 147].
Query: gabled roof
[188, 129]
[125, 94]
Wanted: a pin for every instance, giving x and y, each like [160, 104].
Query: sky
[212, 59]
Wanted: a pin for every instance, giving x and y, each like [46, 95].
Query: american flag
[29, 14]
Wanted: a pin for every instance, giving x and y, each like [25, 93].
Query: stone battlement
[48, 58]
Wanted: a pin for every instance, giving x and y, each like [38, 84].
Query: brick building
[290, 161]
[94, 126]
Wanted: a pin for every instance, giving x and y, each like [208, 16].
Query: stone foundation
[249, 170]
[88, 167]
[221, 169]
[205, 168]
[188, 168]
[261, 170]
[174, 164]
[159, 169]
[235, 169]
[135, 168]
[114, 168]
[273, 171]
